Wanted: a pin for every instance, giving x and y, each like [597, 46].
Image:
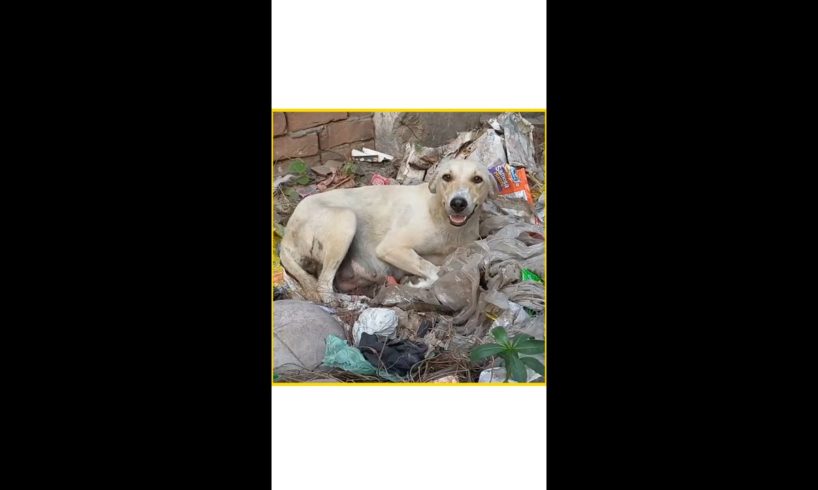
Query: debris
[511, 206]
[498, 375]
[306, 191]
[380, 321]
[282, 180]
[395, 356]
[540, 208]
[341, 355]
[518, 135]
[368, 155]
[352, 302]
[447, 379]
[378, 179]
[487, 149]
[511, 181]
[458, 290]
[336, 180]
[300, 327]
[409, 174]
[327, 168]
[424, 327]
[528, 275]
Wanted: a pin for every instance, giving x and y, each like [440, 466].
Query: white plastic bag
[375, 321]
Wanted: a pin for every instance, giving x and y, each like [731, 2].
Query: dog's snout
[458, 204]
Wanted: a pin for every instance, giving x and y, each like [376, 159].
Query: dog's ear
[441, 168]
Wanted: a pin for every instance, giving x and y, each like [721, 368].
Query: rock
[300, 328]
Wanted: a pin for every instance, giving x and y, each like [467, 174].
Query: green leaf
[303, 180]
[519, 338]
[530, 347]
[505, 356]
[486, 350]
[297, 167]
[534, 364]
[516, 368]
[501, 335]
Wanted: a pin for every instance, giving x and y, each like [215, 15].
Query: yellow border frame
[545, 255]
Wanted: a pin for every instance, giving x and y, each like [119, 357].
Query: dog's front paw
[422, 283]
[328, 298]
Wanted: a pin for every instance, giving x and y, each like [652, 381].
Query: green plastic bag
[342, 355]
[528, 275]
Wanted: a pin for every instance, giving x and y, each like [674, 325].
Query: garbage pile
[407, 334]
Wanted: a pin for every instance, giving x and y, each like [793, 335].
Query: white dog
[355, 238]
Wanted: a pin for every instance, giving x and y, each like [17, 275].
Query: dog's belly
[361, 273]
[361, 276]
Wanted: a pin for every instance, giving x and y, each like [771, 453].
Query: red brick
[279, 123]
[303, 120]
[288, 147]
[341, 132]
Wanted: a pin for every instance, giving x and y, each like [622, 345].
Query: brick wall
[317, 137]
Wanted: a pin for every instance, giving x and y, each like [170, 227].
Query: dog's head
[463, 186]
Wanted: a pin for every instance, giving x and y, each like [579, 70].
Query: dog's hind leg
[292, 264]
[337, 227]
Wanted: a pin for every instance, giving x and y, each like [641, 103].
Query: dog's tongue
[457, 219]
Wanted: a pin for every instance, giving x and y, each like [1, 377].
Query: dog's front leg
[408, 260]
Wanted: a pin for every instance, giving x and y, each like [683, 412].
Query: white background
[420, 54]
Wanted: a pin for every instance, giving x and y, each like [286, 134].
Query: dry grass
[425, 371]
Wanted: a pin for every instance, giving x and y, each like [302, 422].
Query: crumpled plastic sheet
[509, 138]
[513, 210]
[498, 375]
[418, 158]
[380, 321]
[519, 142]
[487, 149]
[498, 260]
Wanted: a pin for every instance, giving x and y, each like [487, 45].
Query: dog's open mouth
[457, 219]
[460, 219]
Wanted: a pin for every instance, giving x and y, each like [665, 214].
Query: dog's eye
[477, 179]
[447, 177]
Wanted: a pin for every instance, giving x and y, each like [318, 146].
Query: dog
[351, 239]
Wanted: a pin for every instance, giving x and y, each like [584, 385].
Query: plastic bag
[511, 181]
[341, 355]
[498, 375]
[376, 321]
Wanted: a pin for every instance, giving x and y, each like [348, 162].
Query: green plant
[349, 168]
[510, 351]
[299, 168]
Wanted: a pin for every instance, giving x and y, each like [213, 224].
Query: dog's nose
[458, 204]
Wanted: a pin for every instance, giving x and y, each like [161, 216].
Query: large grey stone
[300, 328]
